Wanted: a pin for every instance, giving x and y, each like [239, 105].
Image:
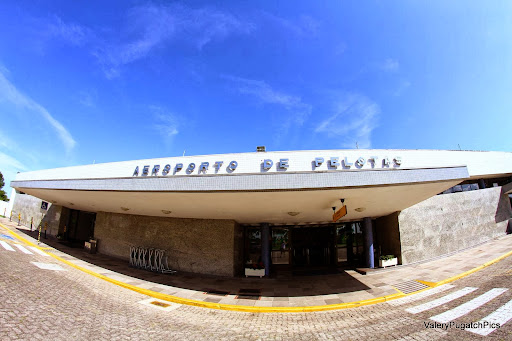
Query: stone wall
[192, 245]
[388, 236]
[29, 207]
[452, 222]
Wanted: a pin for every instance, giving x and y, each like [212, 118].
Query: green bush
[387, 257]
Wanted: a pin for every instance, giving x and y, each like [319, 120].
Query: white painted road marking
[416, 297]
[440, 301]
[22, 249]
[6, 246]
[502, 315]
[469, 306]
[48, 266]
[36, 250]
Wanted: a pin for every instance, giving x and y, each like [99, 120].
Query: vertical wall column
[481, 184]
[368, 242]
[265, 247]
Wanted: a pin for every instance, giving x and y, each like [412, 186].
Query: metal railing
[149, 259]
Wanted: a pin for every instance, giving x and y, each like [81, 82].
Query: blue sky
[111, 81]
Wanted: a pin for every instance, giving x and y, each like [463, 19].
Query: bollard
[39, 235]
[19, 219]
[45, 227]
[31, 223]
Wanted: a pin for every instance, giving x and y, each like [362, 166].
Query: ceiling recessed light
[166, 212]
[293, 214]
[360, 209]
[125, 208]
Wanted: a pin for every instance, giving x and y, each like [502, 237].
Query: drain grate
[160, 304]
[249, 294]
[217, 292]
[410, 286]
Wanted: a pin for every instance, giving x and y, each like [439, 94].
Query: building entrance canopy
[276, 187]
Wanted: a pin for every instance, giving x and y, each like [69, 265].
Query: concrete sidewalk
[323, 292]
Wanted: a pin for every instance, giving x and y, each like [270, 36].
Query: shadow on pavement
[288, 284]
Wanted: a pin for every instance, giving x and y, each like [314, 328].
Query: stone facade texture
[192, 245]
[30, 207]
[451, 222]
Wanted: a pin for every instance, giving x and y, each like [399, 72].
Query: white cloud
[166, 123]
[8, 162]
[353, 120]
[87, 98]
[155, 26]
[264, 92]
[402, 87]
[304, 26]
[390, 65]
[71, 32]
[10, 93]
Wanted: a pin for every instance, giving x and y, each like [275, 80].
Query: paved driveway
[42, 298]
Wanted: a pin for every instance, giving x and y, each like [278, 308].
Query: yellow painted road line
[469, 272]
[253, 309]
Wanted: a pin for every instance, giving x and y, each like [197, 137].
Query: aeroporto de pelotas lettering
[203, 168]
[332, 162]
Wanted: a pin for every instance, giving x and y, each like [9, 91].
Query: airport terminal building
[285, 211]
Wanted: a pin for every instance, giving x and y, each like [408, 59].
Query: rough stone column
[368, 242]
[481, 184]
[265, 247]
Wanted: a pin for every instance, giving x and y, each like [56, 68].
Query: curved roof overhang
[279, 198]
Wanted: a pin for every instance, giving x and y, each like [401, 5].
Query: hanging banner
[339, 213]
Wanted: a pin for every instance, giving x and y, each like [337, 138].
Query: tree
[3, 196]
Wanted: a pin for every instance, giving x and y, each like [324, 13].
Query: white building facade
[217, 214]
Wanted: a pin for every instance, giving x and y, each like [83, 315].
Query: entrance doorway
[312, 247]
[80, 226]
[349, 244]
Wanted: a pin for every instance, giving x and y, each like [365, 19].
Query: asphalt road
[68, 304]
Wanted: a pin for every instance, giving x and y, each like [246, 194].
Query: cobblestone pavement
[68, 304]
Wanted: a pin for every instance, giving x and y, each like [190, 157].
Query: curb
[253, 309]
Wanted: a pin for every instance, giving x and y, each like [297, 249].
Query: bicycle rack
[149, 259]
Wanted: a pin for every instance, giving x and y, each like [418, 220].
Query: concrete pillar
[368, 242]
[265, 247]
[481, 184]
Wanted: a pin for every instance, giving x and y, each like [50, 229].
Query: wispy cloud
[353, 119]
[266, 94]
[71, 32]
[87, 98]
[304, 25]
[10, 93]
[390, 65]
[295, 112]
[8, 162]
[402, 87]
[154, 26]
[166, 123]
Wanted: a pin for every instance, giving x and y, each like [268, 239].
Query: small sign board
[339, 213]
[44, 205]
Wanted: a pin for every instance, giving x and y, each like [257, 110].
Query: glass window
[253, 245]
[280, 246]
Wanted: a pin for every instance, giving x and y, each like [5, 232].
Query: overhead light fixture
[360, 209]
[342, 201]
[293, 214]
[125, 208]
[166, 212]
